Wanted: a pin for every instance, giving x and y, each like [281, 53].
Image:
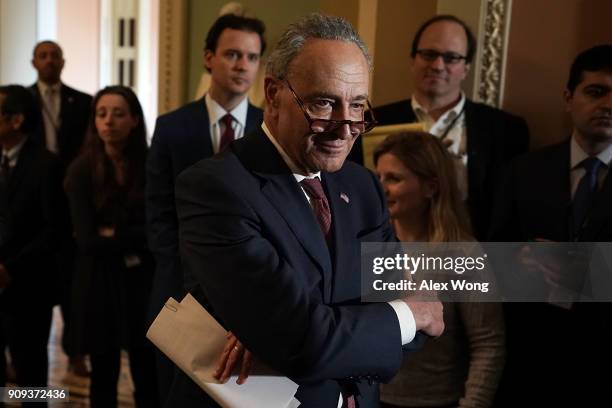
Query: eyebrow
[328, 95]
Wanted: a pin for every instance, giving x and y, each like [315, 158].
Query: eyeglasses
[318, 125]
[449, 58]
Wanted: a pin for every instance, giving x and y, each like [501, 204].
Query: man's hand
[233, 353]
[428, 316]
[106, 232]
[5, 277]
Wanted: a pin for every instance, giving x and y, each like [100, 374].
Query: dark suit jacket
[74, 119]
[39, 215]
[250, 239]
[550, 348]
[181, 138]
[494, 137]
[4, 215]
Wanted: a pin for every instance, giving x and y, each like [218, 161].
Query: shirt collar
[13, 152]
[216, 111]
[43, 88]
[296, 173]
[450, 114]
[577, 154]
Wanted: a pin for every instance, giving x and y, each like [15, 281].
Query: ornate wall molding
[173, 62]
[495, 25]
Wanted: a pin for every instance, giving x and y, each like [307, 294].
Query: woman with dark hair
[462, 367]
[105, 187]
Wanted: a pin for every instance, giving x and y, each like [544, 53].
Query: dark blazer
[39, 215]
[74, 119]
[551, 348]
[4, 214]
[181, 138]
[249, 237]
[494, 137]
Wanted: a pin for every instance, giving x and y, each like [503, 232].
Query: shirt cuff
[406, 320]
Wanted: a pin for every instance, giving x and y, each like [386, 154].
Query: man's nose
[438, 63]
[241, 63]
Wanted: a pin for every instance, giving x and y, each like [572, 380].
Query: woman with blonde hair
[462, 367]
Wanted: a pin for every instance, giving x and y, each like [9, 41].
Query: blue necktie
[587, 187]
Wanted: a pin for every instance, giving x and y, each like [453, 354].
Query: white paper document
[194, 340]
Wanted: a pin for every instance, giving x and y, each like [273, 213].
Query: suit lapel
[253, 119]
[555, 183]
[200, 125]
[339, 204]
[476, 148]
[18, 173]
[284, 194]
[599, 215]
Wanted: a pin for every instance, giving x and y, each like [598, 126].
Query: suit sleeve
[518, 134]
[53, 207]
[257, 293]
[162, 223]
[4, 216]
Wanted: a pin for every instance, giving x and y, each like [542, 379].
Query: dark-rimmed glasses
[449, 58]
[318, 125]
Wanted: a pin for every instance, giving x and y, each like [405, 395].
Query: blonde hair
[424, 155]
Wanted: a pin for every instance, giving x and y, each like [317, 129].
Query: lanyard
[452, 124]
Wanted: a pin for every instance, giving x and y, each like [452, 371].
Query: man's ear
[208, 54]
[17, 121]
[467, 70]
[567, 96]
[272, 92]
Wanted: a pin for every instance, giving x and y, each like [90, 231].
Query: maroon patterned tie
[319, 204]
[228, 134]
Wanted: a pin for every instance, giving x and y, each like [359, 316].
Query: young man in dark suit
[38, 214]
[64, 118]
[562, 193]
[271, 229]
[481, 138]
[232, 53]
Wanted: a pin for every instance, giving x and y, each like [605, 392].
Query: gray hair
[317, 26]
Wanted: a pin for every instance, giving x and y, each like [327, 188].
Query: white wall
[17, 38]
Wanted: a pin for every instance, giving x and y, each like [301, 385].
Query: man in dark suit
[482, 139]
[271, 229]
[562, 193]
[195, 131]
[64, 118]
[65, 110]
[38, 211]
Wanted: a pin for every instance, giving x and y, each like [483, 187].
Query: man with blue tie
[232, 53]
[271, 228]
[562, 193]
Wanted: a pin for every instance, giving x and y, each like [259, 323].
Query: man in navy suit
[271, 228]
[546, 197]
[39, 214]
[65, 111]
[233, 49]
[482, 139]
[63, 124]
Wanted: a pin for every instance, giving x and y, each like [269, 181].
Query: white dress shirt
[452, 122]
[216, 112]
[13, 153]
[577, 155]
[51, 101]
